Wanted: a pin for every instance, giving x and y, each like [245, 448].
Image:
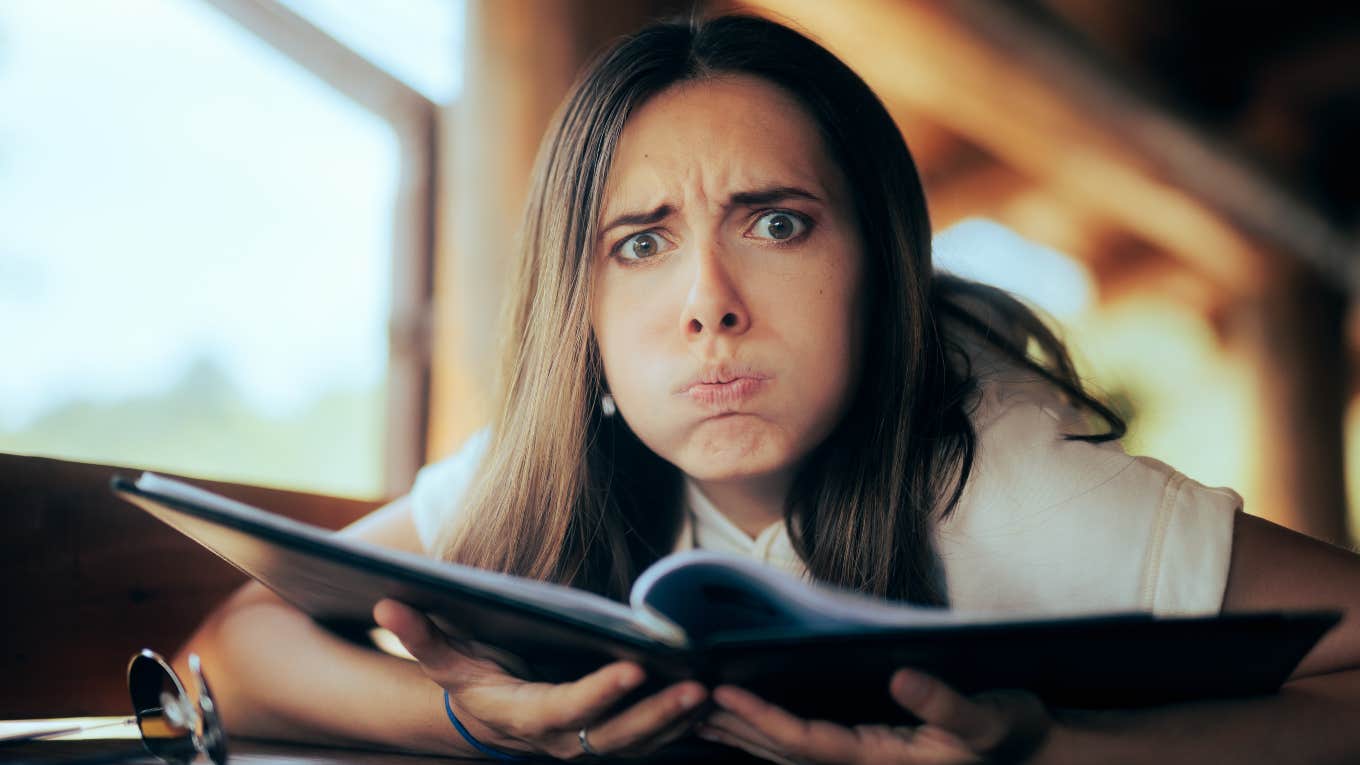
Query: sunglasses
[174, 727]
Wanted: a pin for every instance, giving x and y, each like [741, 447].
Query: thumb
[417, 634]
[937, 704]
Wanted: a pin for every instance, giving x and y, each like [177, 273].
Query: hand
[510, 714]
[998, 726]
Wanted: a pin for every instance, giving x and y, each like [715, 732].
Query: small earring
[607, 405]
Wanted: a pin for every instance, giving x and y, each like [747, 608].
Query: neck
[751, 504]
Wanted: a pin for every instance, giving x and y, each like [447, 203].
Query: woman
[725, 332]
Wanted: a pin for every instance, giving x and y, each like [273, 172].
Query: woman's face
[728, 269]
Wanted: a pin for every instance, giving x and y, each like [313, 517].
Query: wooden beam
[1124, 266]
[937, 151]
[981, 188]
[1039, 215]
[1025, 93]
[975, 185]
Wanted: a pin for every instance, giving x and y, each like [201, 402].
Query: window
[197, 251]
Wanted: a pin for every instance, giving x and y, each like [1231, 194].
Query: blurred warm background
[262, 241]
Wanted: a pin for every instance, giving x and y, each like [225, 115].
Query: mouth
[727, 394]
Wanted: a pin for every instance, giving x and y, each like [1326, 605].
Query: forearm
[276, 674]
[1312, 720]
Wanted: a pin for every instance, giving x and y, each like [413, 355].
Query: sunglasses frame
[149, 673]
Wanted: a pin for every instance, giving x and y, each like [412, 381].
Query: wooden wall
[520, 60]
[89, 580]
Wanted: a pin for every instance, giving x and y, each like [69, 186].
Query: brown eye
[779, 226]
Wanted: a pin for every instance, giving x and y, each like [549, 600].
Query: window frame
[415, 121]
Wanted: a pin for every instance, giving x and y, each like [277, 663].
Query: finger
[419, 636]
[721, 736]
[575, 704]
[736, 726]
[816, 740]
[926, 745]
[645, 719]
[537, 711]
[868, 743]
[680, 727]
[412, 629]
[978, 727]
[872, 743]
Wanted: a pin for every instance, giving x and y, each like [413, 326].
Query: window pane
[195, 245]
[988, 252]
[417, 41]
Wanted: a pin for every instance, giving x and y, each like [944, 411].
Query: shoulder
[1051, 524]
[439, 487]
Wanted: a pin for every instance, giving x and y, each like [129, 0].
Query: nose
[714, 306]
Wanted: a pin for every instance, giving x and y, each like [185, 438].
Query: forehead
[719, 135]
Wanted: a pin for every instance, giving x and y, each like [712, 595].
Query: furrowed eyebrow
[769, 196]
[740, 199]
[639, 218]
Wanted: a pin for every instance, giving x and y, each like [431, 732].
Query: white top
[1044, 525]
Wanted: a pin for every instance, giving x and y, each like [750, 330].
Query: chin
[726, 473]
[734, 457]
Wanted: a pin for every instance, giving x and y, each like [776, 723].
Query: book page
[707, 593]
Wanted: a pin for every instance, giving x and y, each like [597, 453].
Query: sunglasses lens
[165, 715]
[214, 737]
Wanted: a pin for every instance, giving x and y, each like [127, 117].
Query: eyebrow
[752, 198]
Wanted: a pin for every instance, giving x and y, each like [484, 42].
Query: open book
[818, 651]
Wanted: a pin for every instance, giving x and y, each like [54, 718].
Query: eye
[640, 246]
[780, 226]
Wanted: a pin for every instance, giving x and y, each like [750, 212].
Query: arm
[1313, 717]
[276, 674]
[1311, 720]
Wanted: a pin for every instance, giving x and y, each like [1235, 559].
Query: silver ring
[585, 745]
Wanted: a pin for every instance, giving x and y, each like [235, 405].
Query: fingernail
[690, 698]
[629, 677]
[725, 697]
[909, 686]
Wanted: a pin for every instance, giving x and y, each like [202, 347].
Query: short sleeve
[438, 492]
[1049, 525]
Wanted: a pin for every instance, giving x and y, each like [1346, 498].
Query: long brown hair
[567, 494]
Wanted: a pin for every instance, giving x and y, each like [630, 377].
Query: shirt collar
[707, 527]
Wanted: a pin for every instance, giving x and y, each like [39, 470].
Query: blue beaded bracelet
[479, 746]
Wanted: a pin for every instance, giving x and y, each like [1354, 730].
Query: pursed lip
[724, 385]
[726, 394]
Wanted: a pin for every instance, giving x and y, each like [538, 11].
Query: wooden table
[88, 564]
[246, 752]
[239, 751]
